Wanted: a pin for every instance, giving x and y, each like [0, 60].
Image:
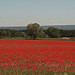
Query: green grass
[50, 39]
[13, 38]
[21, 38]
[72, 38]
[56, 39]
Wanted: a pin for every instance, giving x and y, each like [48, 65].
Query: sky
[43, 12]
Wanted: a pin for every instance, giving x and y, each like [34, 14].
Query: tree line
[11, 33]
[34, 31]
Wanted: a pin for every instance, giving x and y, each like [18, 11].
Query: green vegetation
[34, 31]
[13, 38]
[28, 38]
[67, 33]
[33, 72]
[53, 32]
[5, 33]
[62, 39]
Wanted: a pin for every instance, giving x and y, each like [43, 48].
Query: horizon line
[40, 25]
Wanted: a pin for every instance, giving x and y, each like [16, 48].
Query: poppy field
[37, 57]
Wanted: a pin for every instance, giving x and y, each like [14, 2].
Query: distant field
[20, 38]
[37, 57]
[53, 39]
[63, 39]
[13, 38]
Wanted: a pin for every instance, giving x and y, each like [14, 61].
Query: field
[21, 38]
[37, 57]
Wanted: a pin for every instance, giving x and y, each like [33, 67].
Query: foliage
[53, 32]
[11, 33]
[33, 30]
[42, 33]
[67, 33]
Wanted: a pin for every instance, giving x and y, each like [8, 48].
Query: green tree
[3, 33]
[42, 33]
[22, 34]
[11, 33]
[33, 30]
[53, 32]
[8, 32]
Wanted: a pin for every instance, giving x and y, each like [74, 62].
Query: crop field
[37, 57]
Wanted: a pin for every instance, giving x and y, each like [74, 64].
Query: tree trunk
[34, 38]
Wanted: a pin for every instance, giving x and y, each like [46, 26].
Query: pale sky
[44, 12]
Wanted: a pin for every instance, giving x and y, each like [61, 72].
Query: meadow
[37, 57]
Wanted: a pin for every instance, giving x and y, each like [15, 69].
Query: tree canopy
[33, 30]
[53, 32]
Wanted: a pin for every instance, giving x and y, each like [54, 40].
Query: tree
[22, 34]
[42, 33]
[11, 33]
[53, 32]
[33, 30]
[3, 33]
